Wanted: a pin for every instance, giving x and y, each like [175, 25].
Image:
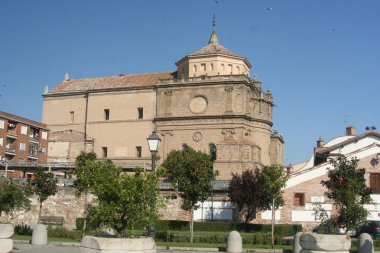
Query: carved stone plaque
[198, 105]
[197, 136]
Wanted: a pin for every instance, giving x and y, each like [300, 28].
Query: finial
[46, 89]
[67, 78]
[213, 23]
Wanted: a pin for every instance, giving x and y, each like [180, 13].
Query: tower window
[106, 114]
[140, 111]
[105, 152]
[72, 116]
[138, 151]
[212, 151]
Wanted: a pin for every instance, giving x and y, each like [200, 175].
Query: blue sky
[319, 58]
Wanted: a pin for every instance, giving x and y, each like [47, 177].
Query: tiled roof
[25, 121]
[214, 49]
[121, 81]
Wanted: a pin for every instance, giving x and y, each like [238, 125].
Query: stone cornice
[200, 117]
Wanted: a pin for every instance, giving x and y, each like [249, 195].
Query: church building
[209, 103]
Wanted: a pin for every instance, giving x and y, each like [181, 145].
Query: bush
[280, 229]
[23, 230]
[90, 225]
[62, 232]
[216, 237]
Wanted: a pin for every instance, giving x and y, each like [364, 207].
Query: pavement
[25, 246]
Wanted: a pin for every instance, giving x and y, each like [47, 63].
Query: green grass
[50, 239]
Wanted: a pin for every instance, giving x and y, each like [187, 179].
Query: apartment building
[23, 145]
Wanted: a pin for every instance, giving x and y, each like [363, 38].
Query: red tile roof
[121, 81]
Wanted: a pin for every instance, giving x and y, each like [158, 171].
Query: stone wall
[65, 204]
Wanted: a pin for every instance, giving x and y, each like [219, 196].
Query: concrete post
[365, 244]
[234, 242]
[39, 236]
[296, 243]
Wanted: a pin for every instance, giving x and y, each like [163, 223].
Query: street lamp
[153, 142]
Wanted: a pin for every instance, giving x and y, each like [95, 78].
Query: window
[24, 130]
[237, 69]
[138, 151]
[106, 114]
[140, 111]
[374, 182]
[22, 146]
[299, 199]
[212, 151]
[230, 68]
[212, 67]
[44, 135]
[195, 68]
[184, 146]
[105, 152]
[33, 149]
[203, 66]
[43, 150]
[72, 116]
[2, 124]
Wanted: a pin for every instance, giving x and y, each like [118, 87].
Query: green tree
[346, 186]
[273, 180]
[247, 194]
[14, 197]
[85, 172]
[44, 185]
[192, 172]
[125, 199]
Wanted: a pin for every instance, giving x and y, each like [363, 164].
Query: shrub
[62, 232]
[23, 230]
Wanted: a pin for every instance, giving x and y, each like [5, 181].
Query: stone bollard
[365, 244]
[6, 232]
[296, 243]
[234, 242]
[39, 236]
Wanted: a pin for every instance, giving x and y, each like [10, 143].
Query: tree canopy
[44, 185]
[191, 172]
[346, 185]
[125, 199]
[14, 197]
[247, 194]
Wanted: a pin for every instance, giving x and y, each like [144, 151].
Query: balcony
[34, 138]
[11, 133]
[33, 154]
[10, 149]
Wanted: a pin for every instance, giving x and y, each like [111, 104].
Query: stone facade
[208, 103]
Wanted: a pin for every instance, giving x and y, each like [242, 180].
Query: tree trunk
[273, 217]
[39, 213]
[191, 224]
[85, 213]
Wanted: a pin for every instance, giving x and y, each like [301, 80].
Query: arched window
[212, 67]
[212, 151]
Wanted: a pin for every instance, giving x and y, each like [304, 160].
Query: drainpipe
[85, 123]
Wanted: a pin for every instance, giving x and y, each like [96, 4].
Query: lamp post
[153, 142]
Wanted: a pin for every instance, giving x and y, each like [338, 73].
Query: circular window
[198, 104]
